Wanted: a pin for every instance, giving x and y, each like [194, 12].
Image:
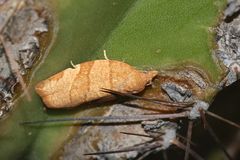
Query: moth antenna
[157, 101]
[223, 119]
[136, 134]
[189, 135]
[191, 152]
[216, 139]
[105, 54]
[72, 64]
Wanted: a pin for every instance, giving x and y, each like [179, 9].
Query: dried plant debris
[180, 94]
[164, 129]
[176, 92]
[197, 76]
[232, 10]
[133, 140]
[159, 135]
[135, 131]
[137, 140]
[180, 85]
[105, 138]
[22, 23]
[228, 43]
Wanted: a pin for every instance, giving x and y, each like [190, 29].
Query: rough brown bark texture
[83, 83]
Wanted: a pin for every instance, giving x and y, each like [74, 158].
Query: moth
[81, 84]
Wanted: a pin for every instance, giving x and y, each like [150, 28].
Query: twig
[216, 139]
[144, 147]
[165, 156]
[156, 101]
[182, 146]
[189, 135]
[136, 134]
[185, 140]
[144, 156]
[12, 12]
[111, 119]
[203, 117]
[222, 119]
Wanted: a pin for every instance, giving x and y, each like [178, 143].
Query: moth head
[149, 75]
[137, 83]
[40, 89]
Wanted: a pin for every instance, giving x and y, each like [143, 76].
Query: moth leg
[105, 54]
[72, 64]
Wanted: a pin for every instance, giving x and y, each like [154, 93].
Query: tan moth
[83, 83]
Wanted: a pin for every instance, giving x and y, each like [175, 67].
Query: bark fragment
[22, 23]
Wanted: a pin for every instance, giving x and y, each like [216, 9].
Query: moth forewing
[82, 84]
